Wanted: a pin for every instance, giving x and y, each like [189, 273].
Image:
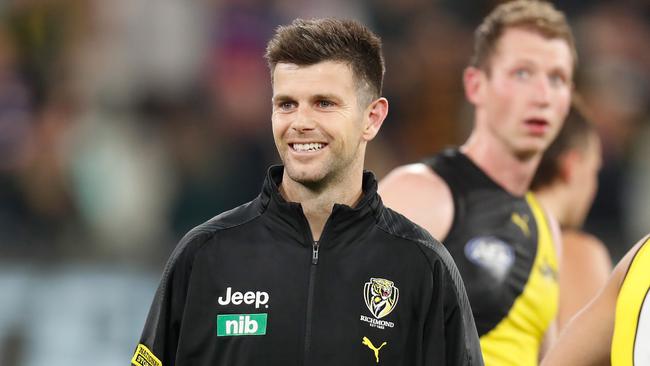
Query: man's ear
[375, 115]
[473, 80]
[568, 162]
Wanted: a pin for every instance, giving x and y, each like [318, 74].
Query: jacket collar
[345, 222]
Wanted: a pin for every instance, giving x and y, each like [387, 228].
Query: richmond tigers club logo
[381, 296]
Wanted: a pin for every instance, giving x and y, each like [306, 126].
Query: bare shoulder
[585, 248]
[586, 268]
[582, 239]
[624, 264]
[414, 175]
[418, 193]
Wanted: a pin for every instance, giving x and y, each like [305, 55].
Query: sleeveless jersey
[503, 247]
[631, 340]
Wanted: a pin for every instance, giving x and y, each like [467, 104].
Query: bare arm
[587, 338]
[587, 267]
[418, 193]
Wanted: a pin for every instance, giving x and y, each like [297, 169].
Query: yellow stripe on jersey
[629, 305]
[516, 339]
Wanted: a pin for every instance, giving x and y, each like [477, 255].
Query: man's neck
[512, 173]
[317, 205]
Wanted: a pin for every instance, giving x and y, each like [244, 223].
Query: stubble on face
[331, 170]
[337, 125]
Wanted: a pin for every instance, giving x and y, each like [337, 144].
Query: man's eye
[325, 103]
[557, 80]
[286, 105]
[522, 74]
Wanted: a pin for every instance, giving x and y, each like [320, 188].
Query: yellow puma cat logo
[367, 342]
[521, 222]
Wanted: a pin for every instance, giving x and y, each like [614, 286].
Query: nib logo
[241, 325]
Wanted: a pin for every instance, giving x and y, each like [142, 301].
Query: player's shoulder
[642, 245]
[621, 269]
[585, 255]
[399, 226]
[417, 192]
[578, 241]
[417, 177]
[415, 173]
[203, 233]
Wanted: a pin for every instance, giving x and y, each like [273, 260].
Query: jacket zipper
[314, 253]
[310, 298]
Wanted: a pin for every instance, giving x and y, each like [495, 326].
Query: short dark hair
[537, 16]
[573, 135]
[308, 42]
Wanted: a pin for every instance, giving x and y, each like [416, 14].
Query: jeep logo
[258, 298]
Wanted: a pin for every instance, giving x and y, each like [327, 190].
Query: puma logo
[367, 342]
[547, 271]
[521, 222]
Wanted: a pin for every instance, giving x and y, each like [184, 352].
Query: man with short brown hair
[474, 198]
[315, 270]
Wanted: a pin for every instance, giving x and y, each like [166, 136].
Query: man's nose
[304, 119]
[542, 92]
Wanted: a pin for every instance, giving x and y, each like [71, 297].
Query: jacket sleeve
[159, 339]
[449, 319]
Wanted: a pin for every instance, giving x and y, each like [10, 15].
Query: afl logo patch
[492, 254]
[381, 296]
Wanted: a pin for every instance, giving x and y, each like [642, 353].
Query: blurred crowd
[125, 123]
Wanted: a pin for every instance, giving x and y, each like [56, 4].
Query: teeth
[308, 147]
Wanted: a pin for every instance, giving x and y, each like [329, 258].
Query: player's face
[525, 98]
[318, 122]
[584, 183]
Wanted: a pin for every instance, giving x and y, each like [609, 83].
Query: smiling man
[474, 199]
[315, 270]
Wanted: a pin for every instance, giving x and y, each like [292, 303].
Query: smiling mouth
[309, 147]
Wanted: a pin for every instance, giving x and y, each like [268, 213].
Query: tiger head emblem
[381, 296]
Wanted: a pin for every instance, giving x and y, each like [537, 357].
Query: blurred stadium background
[124, 123]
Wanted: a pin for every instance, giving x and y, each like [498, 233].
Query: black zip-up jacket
[251, 287]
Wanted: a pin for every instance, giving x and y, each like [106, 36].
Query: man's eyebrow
[524, 61]
[559, 69]
[281, 98]
[325, 96]
[286, 98]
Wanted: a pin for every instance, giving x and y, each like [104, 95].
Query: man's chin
[310, 179]
[531, 149]
[529, 153]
